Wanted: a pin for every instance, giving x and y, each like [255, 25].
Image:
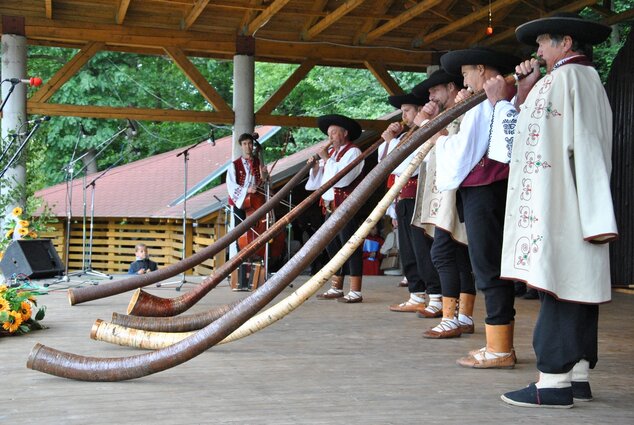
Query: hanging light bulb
[489, 30]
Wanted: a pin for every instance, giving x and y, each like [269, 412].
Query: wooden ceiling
[379, 35]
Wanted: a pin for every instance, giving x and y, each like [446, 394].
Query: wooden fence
[114, 239]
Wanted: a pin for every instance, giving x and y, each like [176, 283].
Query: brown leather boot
[355, 286]
[499, 340]
[466, 307]
[335, 291]
[448, 327]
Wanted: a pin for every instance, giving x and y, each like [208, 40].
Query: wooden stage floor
[326, 363]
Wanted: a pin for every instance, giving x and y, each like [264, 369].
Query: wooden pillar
[14, 112]
[243, 90]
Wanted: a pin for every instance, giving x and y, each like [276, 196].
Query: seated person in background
[143, 264]
[371, 253]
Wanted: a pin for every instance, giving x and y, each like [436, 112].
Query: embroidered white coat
[559, 190]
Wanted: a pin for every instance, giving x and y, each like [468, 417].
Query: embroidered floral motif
[540, 106]
[524, 248]
[434, 186]
[527, 218]
[547, 82]
[527, 190]
[533, 134]
[550, 112]
[534, 163]
[434, 207]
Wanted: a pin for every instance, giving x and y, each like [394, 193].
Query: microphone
[38, 120]
[212, 138]
[291, 139]
[33, 81]
[82, 130]
[132, 127]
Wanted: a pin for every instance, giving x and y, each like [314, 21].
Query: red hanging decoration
[489, 30]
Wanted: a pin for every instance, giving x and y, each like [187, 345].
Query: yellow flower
[4, 305]
[23, 223]
[9, 234]
[3, 288]
[1, 255]
[23, 231]
[32, 234]
[15, 320]
[17, 212]
[25, 310]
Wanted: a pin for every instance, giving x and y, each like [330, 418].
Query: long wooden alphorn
[72, 366]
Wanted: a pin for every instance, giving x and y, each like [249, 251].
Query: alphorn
[73, 366]
[146, 304]
[91, 293]
[137, 338]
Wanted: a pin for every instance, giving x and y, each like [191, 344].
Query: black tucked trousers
[451, 260]
[483, 208]
[354, 265]
[414, 250]
[565, 332]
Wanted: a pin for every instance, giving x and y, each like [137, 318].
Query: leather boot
[448, 327]
[466, 308]
[499, 340]
[355, 288]
[335, 291]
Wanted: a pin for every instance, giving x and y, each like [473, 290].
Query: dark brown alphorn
[91, 293]
[73, 366]
[146, 304]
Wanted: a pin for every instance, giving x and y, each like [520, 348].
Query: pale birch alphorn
[145, 304]
[121, 335]
[73, 366]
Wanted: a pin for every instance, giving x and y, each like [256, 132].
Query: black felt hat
[503, 62]
[352, 127]
[410, 99]
[436, 78]
[563, 23]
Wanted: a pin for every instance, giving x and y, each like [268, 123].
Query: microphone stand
[4, 102]
[20, 148]
[185, 155]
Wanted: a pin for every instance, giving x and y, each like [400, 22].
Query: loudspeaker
[35, 258]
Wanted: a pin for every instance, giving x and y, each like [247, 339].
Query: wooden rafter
[332, 17]
[66, 72]
[194, 13]
[384, 77]
[141, 114]
[288, 86]
[265, 16]
[628, 15]
[400, 19]
[463, 22]
[122, 10]
[197, 79]
[572, 7]
[317, 6]
[249, 15]
[294, 121]
[48, 8]
[381, 7]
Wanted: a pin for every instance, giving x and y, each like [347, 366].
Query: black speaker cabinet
[35, 258]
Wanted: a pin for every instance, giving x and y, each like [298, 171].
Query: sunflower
[23, 231]
[25, 310]
[17, 212]
[9, 234]
[3, 288]
[4, 305]
[23, 223]
[15, 320]
[32, 235]
[1, 255]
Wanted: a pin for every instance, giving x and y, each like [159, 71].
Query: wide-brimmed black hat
[503, 62]
[436, 78]
[407, 99]
[352, 127]
[581, 30]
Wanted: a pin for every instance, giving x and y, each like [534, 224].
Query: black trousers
[483, 208]
[451, 260]
[353, 265]
[414, 249]
[565, 333]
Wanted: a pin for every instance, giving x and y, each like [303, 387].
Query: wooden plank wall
[114, 240]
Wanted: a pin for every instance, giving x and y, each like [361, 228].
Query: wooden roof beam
[504, 35]
[197, 79]
[295, 121]
[463, 22]
[317, 7]
[265, 16]
[48, 8]
[249, 15]
[381, 7]
[287, 87]
[384, 77]
[194, 13]
[140, 114]
[628, 15]
[66, 72]
[331, 18]
[401, 19]
[122, 10]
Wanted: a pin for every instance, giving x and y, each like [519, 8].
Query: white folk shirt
[238, 192]
[558, 195]
[327, 169]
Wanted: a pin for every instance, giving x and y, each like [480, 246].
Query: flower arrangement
[16, 311]
[17, 226]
